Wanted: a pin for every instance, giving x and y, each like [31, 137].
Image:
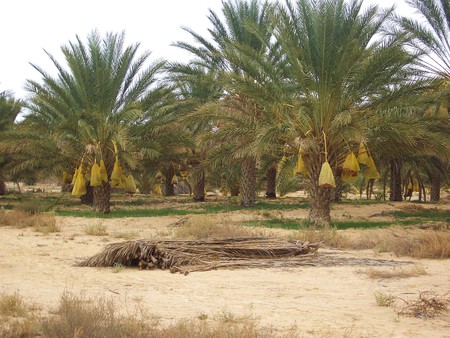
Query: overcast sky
[27, 27]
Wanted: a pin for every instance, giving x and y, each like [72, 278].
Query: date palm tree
[339, 74]
[92, 102]
[430, 36]
[9, 109]
[241, 20]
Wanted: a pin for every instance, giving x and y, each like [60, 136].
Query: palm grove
[320, 93]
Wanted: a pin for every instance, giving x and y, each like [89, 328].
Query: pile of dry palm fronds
[186, 256]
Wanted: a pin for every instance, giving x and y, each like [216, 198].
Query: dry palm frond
[186, 256]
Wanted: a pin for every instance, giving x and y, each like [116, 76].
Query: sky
[28, 27]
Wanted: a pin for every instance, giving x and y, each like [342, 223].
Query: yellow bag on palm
[184, 174]
[280, 165]
[157, 189]
[130, 185]
[371, 170]
[349, 178]
[350, 167]
[326, 177]
[67, 178]
[96, 178]
[117, 175]
[103, 172]
[174, 179]
[74, 176]
[300, 165]
[79, 187]
[363, 155]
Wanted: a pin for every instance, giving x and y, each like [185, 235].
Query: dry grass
[16, 317]
[40, 222]
[80, 317]
[396, 272]
[12, 305]
[329, 236]
[207, 226]
[413, 242]
[96, 230]
[126, 235]
[384, 299]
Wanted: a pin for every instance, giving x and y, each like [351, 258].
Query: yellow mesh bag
[174, 179]
[363, 155]
[349, 178]
[371, 170]
[350, 167]
[96, 178]
[130, 185]
[117, 175]
[74, 176]
[158, 175]
[79, 187]
[300, 165]
[326, 177]
[103, 172]
[184, 174]
[67, 178]
[157, 189]
[280, 165]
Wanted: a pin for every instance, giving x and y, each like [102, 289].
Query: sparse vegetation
[384, 299]
[126, 235]
[96, 230]
[40, 222]
[396, 272]
[81, 317]
[12, 305]
[201, 227]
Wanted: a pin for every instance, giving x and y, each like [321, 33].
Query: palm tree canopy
[95, 97]
[431, 34]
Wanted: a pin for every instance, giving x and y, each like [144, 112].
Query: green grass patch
[193, 209]
[295, 224]
[276, 223]
[426, 215]
[119, 213]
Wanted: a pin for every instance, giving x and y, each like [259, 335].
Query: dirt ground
[321, 301]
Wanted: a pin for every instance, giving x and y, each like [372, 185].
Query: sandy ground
[321, 301]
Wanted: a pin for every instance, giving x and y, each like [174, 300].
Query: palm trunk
[435, 193]
[248, 182]
[234, 190]
[396, 181]
[320, 210]
[2, 188]
[369, 188]
[199, 186]
[102, 197]
[336, 195]
[168, 173]
[271, 182]
[88, 197]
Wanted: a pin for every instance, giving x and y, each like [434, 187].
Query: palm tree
[430, 35]
[9, 109]
[92, 102]
[244, 24]
[339, 74]
[195, 86]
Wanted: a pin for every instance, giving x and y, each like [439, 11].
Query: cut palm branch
[187, 256]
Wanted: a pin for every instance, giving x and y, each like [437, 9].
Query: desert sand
[320, 301]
